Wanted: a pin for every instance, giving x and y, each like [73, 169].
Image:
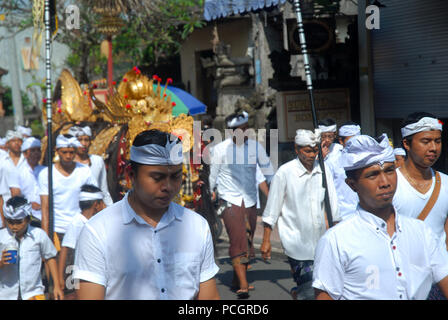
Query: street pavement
[272, 279]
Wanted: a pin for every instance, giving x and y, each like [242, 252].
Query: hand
[35, 206]
[325, 151]
[58, 294]
[266, 250]
[5, 258]
[213, 196]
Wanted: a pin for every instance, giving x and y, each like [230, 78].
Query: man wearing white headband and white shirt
[90, 203]
[145, 246]
[296, 201]
[26, 132]
[95, 162]
[68, 177]
[377, 253]
[330, 148]
[348, 199]
[26, 180]
[421, 192]
[400, 157]
[233, 171]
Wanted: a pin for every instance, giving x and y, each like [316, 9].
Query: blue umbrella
[185, 102]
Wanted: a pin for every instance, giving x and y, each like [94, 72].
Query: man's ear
[351, 183]
[406, 144]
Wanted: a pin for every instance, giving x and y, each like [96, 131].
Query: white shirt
[357, 259]
[335, 149]
[73, 230]
[233, 170]
[260, 179]
[347, 198]
[98, 169]
[26, 273]
[409, 202]
[133, 260]
[65, 193]
[25, 179]
[296, 200]
[8, 168]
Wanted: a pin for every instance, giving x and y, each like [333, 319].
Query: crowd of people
[367, 222]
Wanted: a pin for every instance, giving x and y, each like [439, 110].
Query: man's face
[66, 155]
[85, 142]
[307, 155]
[343, 140]
[156, 186]
[425, 148]
[375, 185]
[399, 161]
[327, 138]
[33, 155]
[98, 206]
[14, 145]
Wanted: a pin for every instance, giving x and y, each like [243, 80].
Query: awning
[215, 9]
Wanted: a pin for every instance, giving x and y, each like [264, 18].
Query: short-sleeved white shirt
[409, 202]
[73, 230]
[66, 193]
[358, 260]
[132, 260]
[98, 169]
[34, 246]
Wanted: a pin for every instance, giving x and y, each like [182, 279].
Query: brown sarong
[240, 223]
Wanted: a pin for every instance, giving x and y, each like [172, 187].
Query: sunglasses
[14, 221]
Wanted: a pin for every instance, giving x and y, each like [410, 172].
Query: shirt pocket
[187, 269]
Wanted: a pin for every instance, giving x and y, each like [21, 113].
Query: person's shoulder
[344, 227]
[286, 167]
[96, 158]
[188, 214]
[37, 233]
[107, 215]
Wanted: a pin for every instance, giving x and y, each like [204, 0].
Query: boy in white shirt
[20, 268]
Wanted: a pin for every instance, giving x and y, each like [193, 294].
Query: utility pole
[15, 82]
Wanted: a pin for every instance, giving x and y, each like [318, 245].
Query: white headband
[29, 143]
[10, 135]
[88, 196]
[349, 130]
[63, 142]
[24, 130]
[424, 124]
[2, 141]
[238, 120]
[400, 152]
[80, 131]
[327, 128]
[16, 214]
[153, 154]
[362, 151]
[307, 137]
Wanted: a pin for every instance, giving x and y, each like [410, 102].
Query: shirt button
[394, 247]
[398, 269]
[158, 260]
[163, 290]
[401, 296]
[399, 274]
[383, 225]
[155, 231]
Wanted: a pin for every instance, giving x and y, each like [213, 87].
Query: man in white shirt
[233, 172]
[400, 157]
[417, 182]
[90, 203]
[347, 199]
[95, 162]
[296, 201]
[68, 177]
[25, 131]
[25, 180]
[330, 148]
[377, 253]
[146, 246]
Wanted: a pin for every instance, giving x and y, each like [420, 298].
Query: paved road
[272, 279]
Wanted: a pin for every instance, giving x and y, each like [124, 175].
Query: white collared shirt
[98, 169]
[347, 198]
[233, 171]
[133, 260]
[8, 167]
[296, 201]
[26, 273]
[409, 202]
[26, 180]
[73, 231]
[357, 259]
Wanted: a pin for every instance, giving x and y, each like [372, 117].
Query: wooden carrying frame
[431, 202]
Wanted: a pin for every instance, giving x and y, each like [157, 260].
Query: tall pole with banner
[48, 103]
[309, 84]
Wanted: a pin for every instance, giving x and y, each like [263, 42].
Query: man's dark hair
[151, 137]
[413, 118]
[352, 174]
[84, 205]
[68, 136]
[16, 201]
[327, 122]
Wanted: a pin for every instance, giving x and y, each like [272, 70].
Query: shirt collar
[129, 214]
[303, 170]
[378, 223]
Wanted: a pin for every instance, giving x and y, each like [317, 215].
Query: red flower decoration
[147, 123]
[128, 106]
[156, 77]
[85, 93]
[44, 100]
[95, 86]
[125, 80]
[59, 110]
[169, 80]
[164, 95]
[173, 104]
[125, 96]
[440, 121]
[114, 83]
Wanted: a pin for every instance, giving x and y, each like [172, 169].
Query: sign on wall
[294, 110]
